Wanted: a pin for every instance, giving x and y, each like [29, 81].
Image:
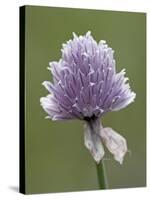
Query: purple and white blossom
[86, 86]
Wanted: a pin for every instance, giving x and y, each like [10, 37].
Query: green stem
[102, 179]
[92, 137]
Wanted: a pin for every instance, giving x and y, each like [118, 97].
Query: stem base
[102, 175]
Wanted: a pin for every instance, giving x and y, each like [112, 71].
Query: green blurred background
[56, 159]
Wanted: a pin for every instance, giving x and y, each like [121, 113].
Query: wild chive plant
[86, 86]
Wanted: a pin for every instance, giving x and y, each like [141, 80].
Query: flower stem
[102, 179]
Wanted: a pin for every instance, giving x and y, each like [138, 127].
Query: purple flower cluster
[85, 82]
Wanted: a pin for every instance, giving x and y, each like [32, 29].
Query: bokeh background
[56, 159]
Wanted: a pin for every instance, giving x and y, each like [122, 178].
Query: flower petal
[93, 143]
[49, 105]
[115, 143]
